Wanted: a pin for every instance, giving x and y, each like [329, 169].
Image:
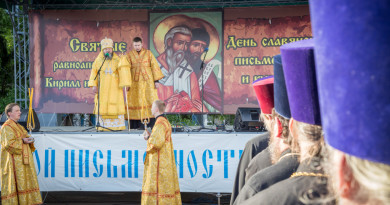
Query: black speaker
[247, 119]
[23, 120]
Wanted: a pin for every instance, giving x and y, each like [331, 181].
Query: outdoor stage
[54, 50]
[70, 160]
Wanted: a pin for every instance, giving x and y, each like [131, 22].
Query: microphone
[204, 57]
[105, 57]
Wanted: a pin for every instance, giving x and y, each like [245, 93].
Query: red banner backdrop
[250, 45]
[63, 45]
[63, 50]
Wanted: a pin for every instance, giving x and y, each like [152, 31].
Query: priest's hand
[156, 84]
[28, 140]
[127, 88]
[94, 89]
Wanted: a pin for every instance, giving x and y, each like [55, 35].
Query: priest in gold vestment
[160, 182]
[19, 183]
[145, 74]
[112, 80]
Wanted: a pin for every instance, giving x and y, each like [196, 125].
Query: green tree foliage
[181, 120]
[190, 120]
[6, 60]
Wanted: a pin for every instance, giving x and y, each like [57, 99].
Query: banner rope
[30, 117]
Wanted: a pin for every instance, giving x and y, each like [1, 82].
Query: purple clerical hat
[282, 106]
[352, 47]
[301, 83]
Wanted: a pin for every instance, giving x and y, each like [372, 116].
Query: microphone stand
[201, 69]
[98, 93]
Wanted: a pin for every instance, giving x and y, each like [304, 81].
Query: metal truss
[157, 4]
[19, 20]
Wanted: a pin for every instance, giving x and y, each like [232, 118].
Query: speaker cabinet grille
[247, 119]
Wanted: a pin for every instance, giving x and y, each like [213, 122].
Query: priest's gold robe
[19, 183]
[144, 72]
[160, 182]
[112, 81]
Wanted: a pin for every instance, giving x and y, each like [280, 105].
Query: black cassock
[308, 185]
[259, 162]
[287, 164]
[252, 148]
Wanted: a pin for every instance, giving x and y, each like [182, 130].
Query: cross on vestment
[108, 71]
[184, 69]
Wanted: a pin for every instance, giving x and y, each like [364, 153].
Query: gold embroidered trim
[139, 107]
[29, 191]
[12, 195]
[165, 123]
[310, 174]
[139, 68]
[162, 195]
[20, 193]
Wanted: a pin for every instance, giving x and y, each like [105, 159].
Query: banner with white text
[114, 162]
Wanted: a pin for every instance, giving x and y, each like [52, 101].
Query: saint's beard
[192, 58]
[195, 61]
[174, 59]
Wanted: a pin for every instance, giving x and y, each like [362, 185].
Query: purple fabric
[301, 83]
[352, 40]
[282, 106]
[270, 76]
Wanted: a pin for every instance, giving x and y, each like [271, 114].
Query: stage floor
[129, 198]
[90, 129]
